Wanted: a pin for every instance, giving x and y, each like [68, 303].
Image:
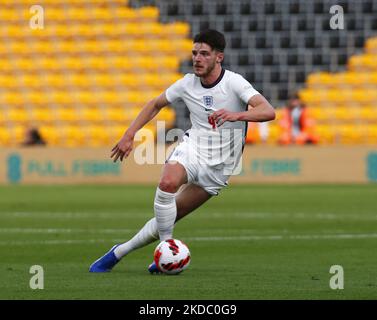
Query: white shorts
[210, 178]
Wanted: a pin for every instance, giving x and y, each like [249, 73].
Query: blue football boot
[153, 268]
[106, 262]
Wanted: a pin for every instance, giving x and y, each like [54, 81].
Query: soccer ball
[172, 256]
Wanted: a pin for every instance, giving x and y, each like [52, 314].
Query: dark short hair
[34, 133]
[213, 38]
[294, 95]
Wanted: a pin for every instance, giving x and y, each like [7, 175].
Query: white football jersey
[214, 145]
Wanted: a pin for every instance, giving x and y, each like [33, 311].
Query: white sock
[147, 235]
[165, 210]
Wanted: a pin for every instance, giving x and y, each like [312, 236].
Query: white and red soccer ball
[172, 256]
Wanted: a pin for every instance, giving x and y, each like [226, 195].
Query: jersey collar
[209, 86]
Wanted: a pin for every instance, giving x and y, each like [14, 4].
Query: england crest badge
[208, 102]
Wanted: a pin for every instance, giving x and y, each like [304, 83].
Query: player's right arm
[123, 148]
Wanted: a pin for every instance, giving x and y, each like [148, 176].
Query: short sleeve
[175, 91]
[243, 89]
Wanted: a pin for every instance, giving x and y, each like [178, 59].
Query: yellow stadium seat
[131, 29]
[65, 114]
[85, 97]
[97, 136]
[99, 13]
[313, 97]
[335, 96]
[10, 30]
[73, 136]
[372, 134]
[339, 80]
[47, 63]
[109, 97]
[111, 45]
[123, 62]
[34, 97]
[364, 96]
[356, 79]
[132, 113]
[10, 15]
[74, 13]
[91, 115]
[127, 14]
[60, 97]
[5, 136]
[117, 131]
[326, 134]
[167, 114]
[3, 118]
[316, 112]
[371, 45]
[148, 80]
[152, 29]
[114, 114]
[53, 80]
[106, 80]
[368, 113]
[274, 133]
[18, 115]
[178, 29]
[146, 63]
[17, 133]
[330, 113]
[373, 78]
[73, 63]
[28, 81]
[4, 63]
[128, 80]
[352, 113]
[41, 47]
[6, 82]
[12, 98]
[43, 115]
[363, 62]
[167, 62]
[347, 133]
[148, 14]
[135, 97]
[50, 134]
[15, 46]
[107, 28]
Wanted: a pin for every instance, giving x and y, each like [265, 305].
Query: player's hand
[222, 115]
[123, 148]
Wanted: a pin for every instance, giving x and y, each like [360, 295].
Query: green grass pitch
[251, 242]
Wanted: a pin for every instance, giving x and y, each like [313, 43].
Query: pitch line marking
[118, 231]
[63, 230]
[344, 236]
[245, 215]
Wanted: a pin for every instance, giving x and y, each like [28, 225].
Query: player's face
[294, 103]
[204, 59]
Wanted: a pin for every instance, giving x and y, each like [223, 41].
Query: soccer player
[219, 100]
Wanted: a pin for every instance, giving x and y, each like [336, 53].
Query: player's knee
[168, 184]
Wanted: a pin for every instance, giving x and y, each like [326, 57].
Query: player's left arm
[259, 110]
